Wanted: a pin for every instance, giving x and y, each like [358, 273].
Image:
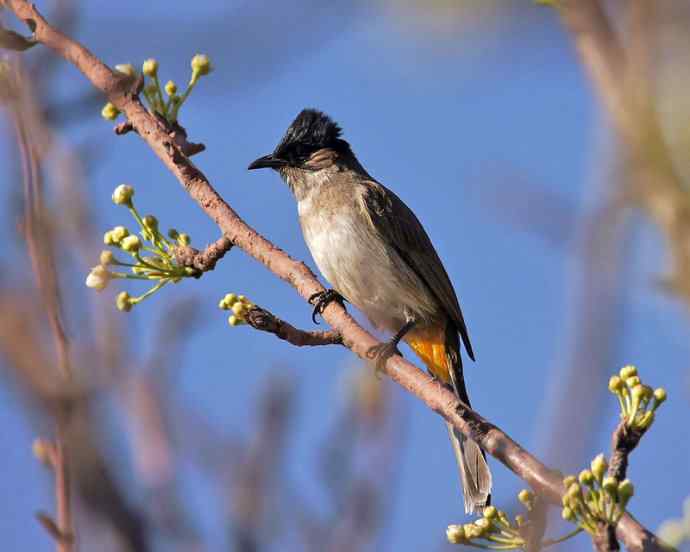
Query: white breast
[358, 265]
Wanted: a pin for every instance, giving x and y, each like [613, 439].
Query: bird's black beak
[267, 162]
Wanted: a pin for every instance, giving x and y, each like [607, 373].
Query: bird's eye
[303, 151]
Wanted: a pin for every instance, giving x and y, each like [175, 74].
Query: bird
[376, 255]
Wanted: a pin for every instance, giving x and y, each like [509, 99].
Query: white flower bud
[107, 257]
[126, 69]
[118, 233]
[131, 244]
[98, 278]
[122, 195]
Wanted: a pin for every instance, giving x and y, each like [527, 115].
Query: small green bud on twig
[599, 467]
[131, 244]
[123, 302]
[201, 65]
[150, 67]
[455, 534]
[110, 112]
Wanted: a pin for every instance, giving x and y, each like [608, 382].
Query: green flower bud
[184, 239]
[586, 478]
[574, 491]
[455, 534]
[599, 466]
[173, 234]
[645, 420]
[126, 69]
[110, 112]
[638, 392]
[201, 65]
[131, 244]
[519, 520]
[107, 257]
[472, 531]
[170, 88]
[610, 486]
[569, 480]
[108, 238]
[150, 223]
[526, 497]
[122, 195]
[150, 67]
[632, 381]
[239, 309]
[118, 234]
[628, 372]
[615, 384]
[625, 491]
[490, 512]
[659, 395]
[483, 524]
[233, 320]
[123, 302]
[567, 514]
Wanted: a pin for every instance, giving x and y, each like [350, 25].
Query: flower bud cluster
[152, 255]
[638, 402]
[494, 530]
[239, 305]
[153, 92]
[593, 497]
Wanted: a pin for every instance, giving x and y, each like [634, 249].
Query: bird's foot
[381, 353]
[322, 299]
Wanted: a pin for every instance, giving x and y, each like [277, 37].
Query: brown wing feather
[393, 219]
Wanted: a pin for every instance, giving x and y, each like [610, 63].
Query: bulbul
[375, 254]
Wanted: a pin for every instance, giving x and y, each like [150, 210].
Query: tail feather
[474, 471]
[440, 352]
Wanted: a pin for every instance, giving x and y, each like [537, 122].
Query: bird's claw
[381, 353]
[322, 299]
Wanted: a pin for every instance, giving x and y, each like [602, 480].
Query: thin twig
[260, 319]
[205, 260]
[42, 261]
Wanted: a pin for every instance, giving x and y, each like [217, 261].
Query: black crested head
[311, 130]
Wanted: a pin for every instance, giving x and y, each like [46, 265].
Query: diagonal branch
[545, 481]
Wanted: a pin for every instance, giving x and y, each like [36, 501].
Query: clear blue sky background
[451, 121]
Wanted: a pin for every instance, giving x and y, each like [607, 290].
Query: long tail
[441, 354]
[474, 470]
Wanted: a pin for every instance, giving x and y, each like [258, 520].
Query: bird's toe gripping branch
[322, 299]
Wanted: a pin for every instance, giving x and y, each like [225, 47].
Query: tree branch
[545, 481]
[205, 260]
[264, 321]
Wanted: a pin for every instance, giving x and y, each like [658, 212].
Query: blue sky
[457, 123]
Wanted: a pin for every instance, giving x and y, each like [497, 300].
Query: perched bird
[375, 253]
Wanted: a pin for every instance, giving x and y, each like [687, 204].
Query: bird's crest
[311, 128]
